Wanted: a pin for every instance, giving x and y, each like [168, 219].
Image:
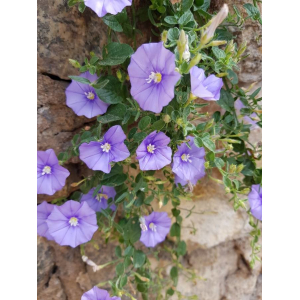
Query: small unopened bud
[206, 164]
[164, 36]
[179, 121]
[167, 119]
[230, 47]
[183, 46]
[227, 190]
[216, 43]
[240, 168]
[221, 75]
[195, 61]
[87, 128]
[209, 124]
[160, 204]
[229, 147]
[232, 169]
[209, 32]
[245, 191]
[119, 75]
[241, 49]
[74, 63]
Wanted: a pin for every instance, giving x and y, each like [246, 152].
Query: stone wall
[219, 250]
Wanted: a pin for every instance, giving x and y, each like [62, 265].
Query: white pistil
[46, 170]
[186, 157]
[106, 147]
[151, 148]
[143, 224]
[90, 95]
[156, 77]
[152, 226]
[100, 196]
[73, 221]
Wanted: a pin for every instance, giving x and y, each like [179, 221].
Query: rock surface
[219, 250]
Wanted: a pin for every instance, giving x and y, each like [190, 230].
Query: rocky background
[219, 250]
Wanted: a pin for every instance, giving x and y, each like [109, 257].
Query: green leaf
[128, 251]
[139, 258]
[232, 77]
[118, 251]
[253, 12]
[139, 136]
[219, 53]
[158, 125]
[174, 275]
[120, 269]
[170, 20]
[186, 4]
[144, 122]
[208, 143]
[132, 230]
[121, 197]
[226, 101]
[123, 281]
[114, 180]
[186, 18]
[80, 79]
[173, 34]
[112, 22]
[115, 112]
[181, 248]
[116, 54]
[175, 230]
[198, 142]
[111, 92]
[219, 162]
[227, 181]
[81, 7]
[100, 83]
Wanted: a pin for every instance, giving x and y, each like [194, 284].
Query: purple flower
[255, 201]
[102, 7]
[185, 182]
[51, 177]
[83, 99]
[98, 155]
[72, 223]
[155, 228]
[188, 163]
[238, 105]
[99, 202]
[98, 294]
[153, 76]
[43, 212]
[205, 88]
[153, 153]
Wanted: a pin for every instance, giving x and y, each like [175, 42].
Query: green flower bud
[167, 119]
[179, 121]
[206, 164]
[245, 191]
[232, 169]
[216, 43]
[164, 36]
[241, 49]
[195, 61]
[227, 190]
[240, 168]
[230, 47]
[74, 63]
[119, 75]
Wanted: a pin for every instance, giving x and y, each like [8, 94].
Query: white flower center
[90, 95]
[156, 77]
[151, 148]
[186, 157]
[73, 221]
[46, 170]
[106, 147]
[152, 226]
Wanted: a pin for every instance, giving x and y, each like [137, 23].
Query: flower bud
[179, 121]
[183, 46]
[195, 60]
[221, 75]
[232, 169]
[227, 190]
[245, 191]
[74, 63]
[240, 168]
[164, 36]
[167, 119]
[229, 147]
[230, 47]
[241, 49]
[119, 75]
[216, 43]
[206, 164]
[209, 32]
